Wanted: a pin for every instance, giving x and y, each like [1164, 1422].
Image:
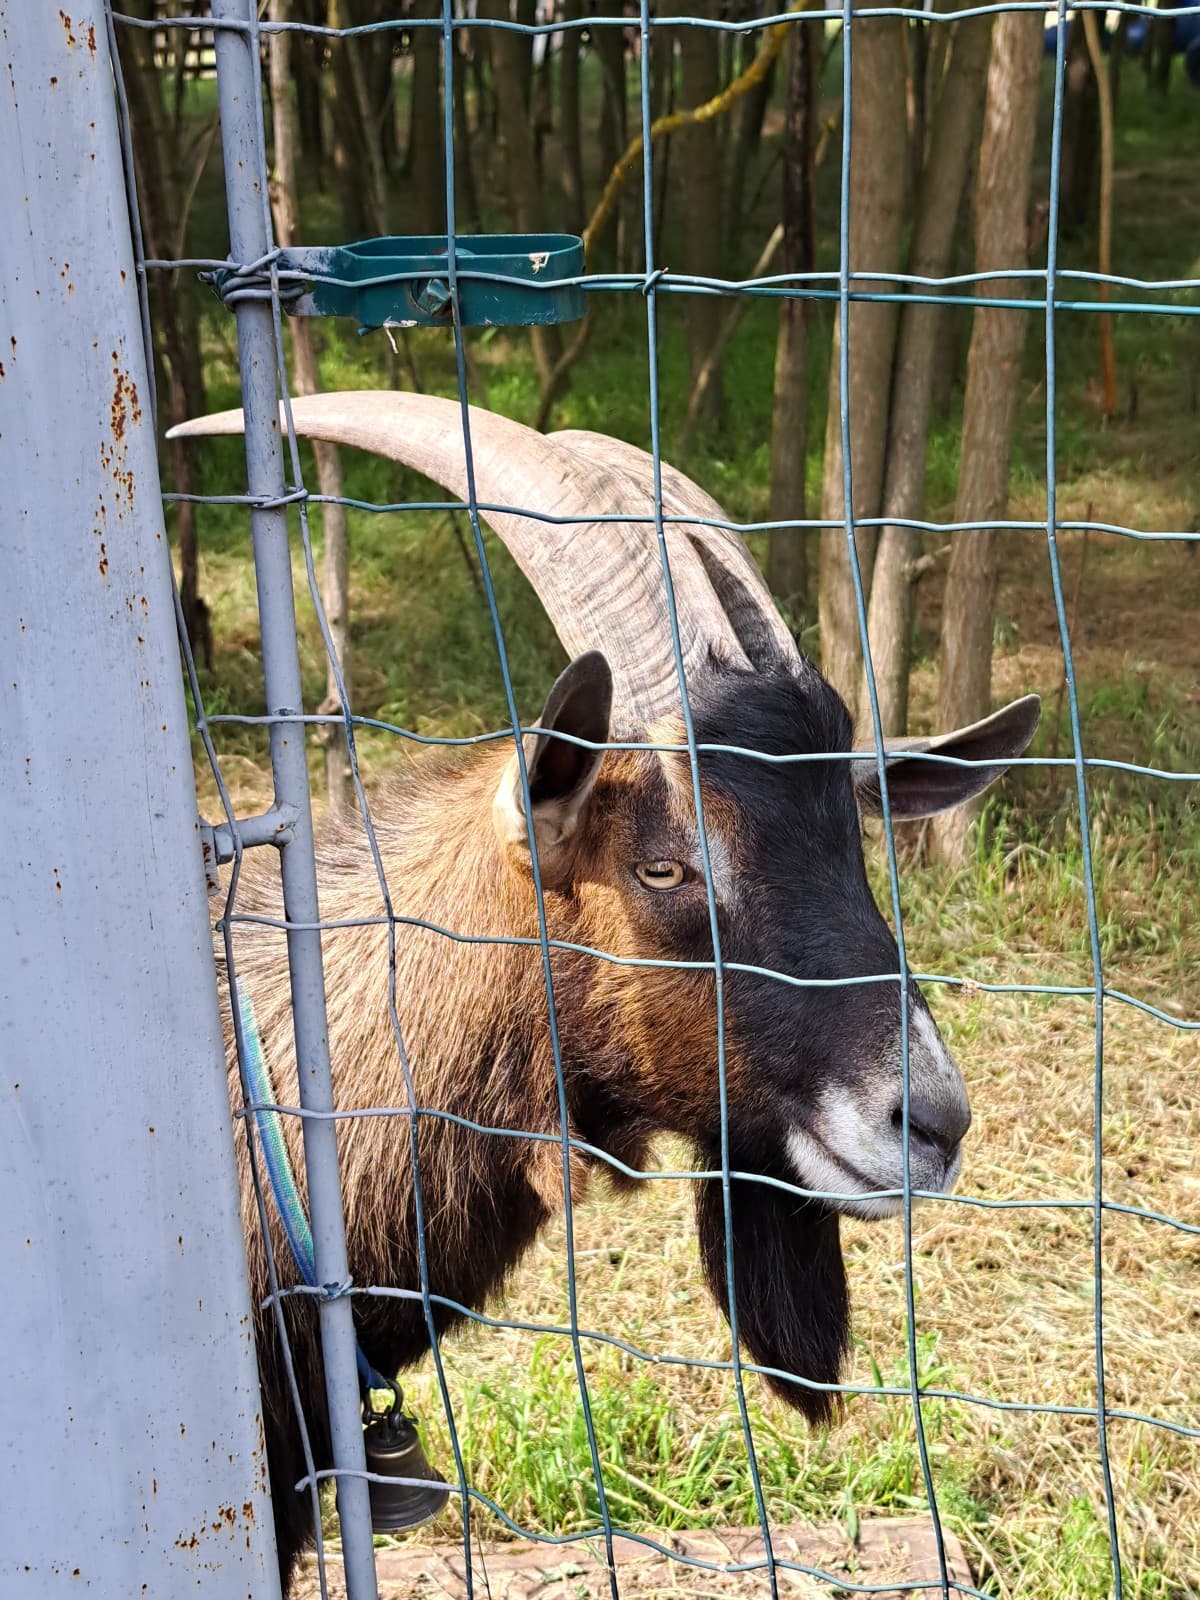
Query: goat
[814, 1071]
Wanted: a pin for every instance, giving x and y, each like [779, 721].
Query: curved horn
[733, 571]
[600, 582]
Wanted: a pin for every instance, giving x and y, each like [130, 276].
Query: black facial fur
[803, 905]
[793, 1308]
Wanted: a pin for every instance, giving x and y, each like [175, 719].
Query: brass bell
[394, 1450]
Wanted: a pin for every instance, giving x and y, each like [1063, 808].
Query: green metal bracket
[403, 282]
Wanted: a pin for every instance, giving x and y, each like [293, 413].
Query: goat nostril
[918, 1133]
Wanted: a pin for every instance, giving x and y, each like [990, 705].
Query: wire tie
[652, 279]
[276, 502]
[251, 280]
[337, 1291]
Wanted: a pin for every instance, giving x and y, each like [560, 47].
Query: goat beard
[790, 1293]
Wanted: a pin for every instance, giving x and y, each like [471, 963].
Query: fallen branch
[914, 571]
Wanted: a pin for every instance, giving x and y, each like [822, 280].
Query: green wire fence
[259, 286]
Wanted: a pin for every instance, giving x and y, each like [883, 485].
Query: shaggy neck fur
[490, 1062]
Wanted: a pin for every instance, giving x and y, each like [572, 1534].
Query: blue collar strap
[279, 1170]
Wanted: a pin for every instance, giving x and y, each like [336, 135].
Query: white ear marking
[555, 822]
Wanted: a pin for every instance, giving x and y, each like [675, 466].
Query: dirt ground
[897, 1550]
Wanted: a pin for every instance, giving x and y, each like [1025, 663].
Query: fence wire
[266, 282]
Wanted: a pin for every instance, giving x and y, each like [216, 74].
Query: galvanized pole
[239, 94]
[131, 1454]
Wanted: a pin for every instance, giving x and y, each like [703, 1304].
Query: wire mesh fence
[261, 288]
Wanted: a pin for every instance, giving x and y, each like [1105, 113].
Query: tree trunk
[162, 187]
[1108, 359]
[526, 13]
[608, 45]
[993, 379]
[1081, 133]
[427, 173]
[372, 141]
[1160, 41]
[662, 89]
[305, 380]
[703, 240]
[1116, 56]
[475, 46]
[542, 111]
[379, 79]
[877, 168]
[787, 551]
[936, 53]
[466, 193]
[349, 156]
[516, 143]
[570, 141]
[917, 100]
[954, 141]
[746, 143]
[307, 60]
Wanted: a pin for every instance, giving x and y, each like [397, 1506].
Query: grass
[1005, 1298]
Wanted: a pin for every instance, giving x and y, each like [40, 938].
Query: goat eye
[660, 874]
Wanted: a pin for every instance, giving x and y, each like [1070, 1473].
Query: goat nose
[939, 1121]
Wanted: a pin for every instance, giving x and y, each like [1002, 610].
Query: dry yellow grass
[1005, 1298]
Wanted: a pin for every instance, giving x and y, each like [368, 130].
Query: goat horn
[600, 583]
[732, 570]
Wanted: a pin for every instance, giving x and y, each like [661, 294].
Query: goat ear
[793, 1307]
[923, 788]
[561, 774]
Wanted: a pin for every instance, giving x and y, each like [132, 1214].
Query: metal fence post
[239, 99]
[131, 1457]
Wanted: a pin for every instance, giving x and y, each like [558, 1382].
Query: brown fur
[475, 1028]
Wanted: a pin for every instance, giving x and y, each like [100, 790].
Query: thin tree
[704, 242]
[1080, 132]
[608, 47]
[953, 143]
[509, 51]
[467, 194]
[425, 156]
[308, 59]
[993, 379]
[746, 139]
[351, 171]
[877, 184]
[1160, 46]
[1108, 360]
[570, 137]
[335, 587]
[787, 550]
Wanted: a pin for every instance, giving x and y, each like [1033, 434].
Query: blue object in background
[1184, 36]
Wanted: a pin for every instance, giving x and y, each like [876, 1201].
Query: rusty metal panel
[131, 1457]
